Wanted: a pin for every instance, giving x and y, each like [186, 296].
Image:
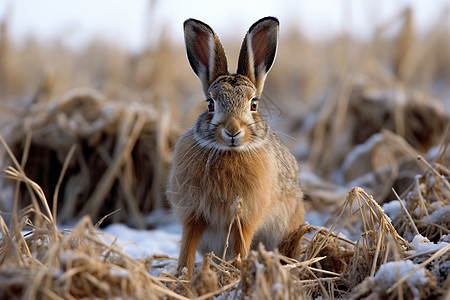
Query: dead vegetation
[45, 262]
[122, 150]
[366, 118]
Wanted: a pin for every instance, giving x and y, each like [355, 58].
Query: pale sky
[134, 22]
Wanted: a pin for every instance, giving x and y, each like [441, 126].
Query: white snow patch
[445, 238]
[440, 215]
[393, 209]
[143, 243]
[421, 244]
[387, 275]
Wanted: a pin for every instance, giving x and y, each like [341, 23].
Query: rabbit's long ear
[258, 51]
[205, 52]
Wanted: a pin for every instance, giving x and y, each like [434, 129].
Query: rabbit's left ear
[258, 51]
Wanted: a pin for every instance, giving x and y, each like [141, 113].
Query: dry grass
[121, 150]
[362, 115]
[72, 264]
[67, 264]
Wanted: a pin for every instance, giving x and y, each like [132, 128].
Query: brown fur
[231, 153]
[204, 185]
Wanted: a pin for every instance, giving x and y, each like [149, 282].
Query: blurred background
[112, 78]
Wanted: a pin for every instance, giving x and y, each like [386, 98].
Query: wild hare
[230, 152]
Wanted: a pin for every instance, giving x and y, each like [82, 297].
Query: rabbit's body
[231, 153]
[209, 182]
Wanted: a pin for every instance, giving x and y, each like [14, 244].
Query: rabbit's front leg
[192, 231]
[242, 242]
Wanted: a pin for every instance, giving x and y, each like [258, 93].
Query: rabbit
[232, 153]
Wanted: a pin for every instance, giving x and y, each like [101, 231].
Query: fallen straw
[445, 181]
[406, 211]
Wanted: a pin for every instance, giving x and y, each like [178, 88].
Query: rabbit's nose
[232, 139]
[232, 135]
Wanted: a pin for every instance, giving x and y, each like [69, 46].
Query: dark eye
[210, 105]
[254, 104]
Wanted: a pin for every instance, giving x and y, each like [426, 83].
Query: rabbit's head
[231, 120]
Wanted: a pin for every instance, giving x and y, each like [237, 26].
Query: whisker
[254, 150]
[256, 122]
[211, 156]
[189, 150]
[281, 151]
[286, 135]
[215, 153]
[193, 156]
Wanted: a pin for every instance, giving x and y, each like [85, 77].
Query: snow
[164, 240]
[393, 209]
[445, 238]
[441, 214]
[421, 245]
[387, 275]
[143, 243]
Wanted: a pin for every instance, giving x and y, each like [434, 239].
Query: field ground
[87, 139]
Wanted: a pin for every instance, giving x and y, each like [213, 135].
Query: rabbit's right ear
[205, 52]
